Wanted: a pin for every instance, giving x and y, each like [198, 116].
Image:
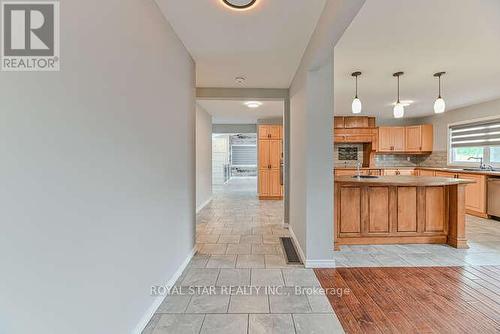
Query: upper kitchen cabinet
[391, 139]
[270, 132]
[419, 138]
[353, 122]
[405, 139]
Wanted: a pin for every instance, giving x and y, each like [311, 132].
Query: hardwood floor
[416, 300]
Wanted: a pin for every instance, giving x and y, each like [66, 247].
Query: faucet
[481, 164]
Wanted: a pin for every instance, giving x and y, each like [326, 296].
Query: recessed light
[240, 80]
[239, 4]
[253, 104]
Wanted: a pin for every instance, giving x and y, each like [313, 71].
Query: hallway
[239, 255]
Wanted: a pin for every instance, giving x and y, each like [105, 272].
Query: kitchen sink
[365, 177]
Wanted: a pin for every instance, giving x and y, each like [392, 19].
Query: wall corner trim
[297, 245]
[154, 306]
[204, 205]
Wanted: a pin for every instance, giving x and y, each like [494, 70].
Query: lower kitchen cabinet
[475, 194]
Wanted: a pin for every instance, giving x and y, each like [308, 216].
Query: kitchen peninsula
[399, 210]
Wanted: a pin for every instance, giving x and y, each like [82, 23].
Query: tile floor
[238, 246]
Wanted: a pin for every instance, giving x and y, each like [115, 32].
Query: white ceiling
[264, 44]
[420, 37]
[236, 112]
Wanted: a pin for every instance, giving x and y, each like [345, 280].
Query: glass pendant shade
[399, 110]
[356, 106]
[439, 106]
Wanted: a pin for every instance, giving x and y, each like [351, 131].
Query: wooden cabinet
[419, 138]
[270, 131]
[353, 122]
[386, 214]
[424, 172]
[401, 171]
[391, 139]
[353, 172]
[405, 139]
[270, 157]
[475, 194]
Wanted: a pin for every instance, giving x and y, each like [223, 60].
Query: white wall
[441, 121]
[97, 173]
[311, 148]
[203, 157]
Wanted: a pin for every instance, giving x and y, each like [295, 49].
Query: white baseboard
[297, 245]
[203, 205]
[310, 263]
[320, 264]
[158, 300]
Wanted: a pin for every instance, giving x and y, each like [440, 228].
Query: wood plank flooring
[416, 300]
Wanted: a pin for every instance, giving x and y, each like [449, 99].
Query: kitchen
[389, 191]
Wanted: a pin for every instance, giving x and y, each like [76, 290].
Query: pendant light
[439, 105]
[399, 109]
[356, 103]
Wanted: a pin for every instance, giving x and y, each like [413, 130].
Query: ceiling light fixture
[399, 109]
[356, 103]
[439, 105]
[240, 80]
[253, 104]
[239, 4]
[405, 103]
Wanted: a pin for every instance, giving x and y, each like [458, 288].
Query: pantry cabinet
[270, 156]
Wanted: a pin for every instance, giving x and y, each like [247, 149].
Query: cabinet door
[264, 131]
[274, 182]
[398, 138]
[275, 153]
[275, 132]
[264, 182]
[390, 172]
[384, 139]
[424, 172]
[475, 193]
[264, 157]
[406, 172]
[446, 174]
[413, 138]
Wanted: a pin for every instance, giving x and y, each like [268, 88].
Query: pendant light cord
[398, 89]
[356, 87]
[439, 87]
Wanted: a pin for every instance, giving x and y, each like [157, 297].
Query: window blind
[485, 133]
[244, 155]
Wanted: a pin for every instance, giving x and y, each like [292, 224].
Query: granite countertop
[461, 170]
[412, 181]
[365, 168]
[440, 169]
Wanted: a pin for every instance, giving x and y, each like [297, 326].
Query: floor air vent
[291, 254]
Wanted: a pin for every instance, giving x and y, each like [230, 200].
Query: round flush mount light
[239, 4]
[253, 104]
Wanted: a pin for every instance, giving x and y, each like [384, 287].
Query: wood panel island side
[399, 210]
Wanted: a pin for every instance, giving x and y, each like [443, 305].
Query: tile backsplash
[436, 159]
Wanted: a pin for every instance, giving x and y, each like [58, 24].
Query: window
[476, 139]
[244, 155]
